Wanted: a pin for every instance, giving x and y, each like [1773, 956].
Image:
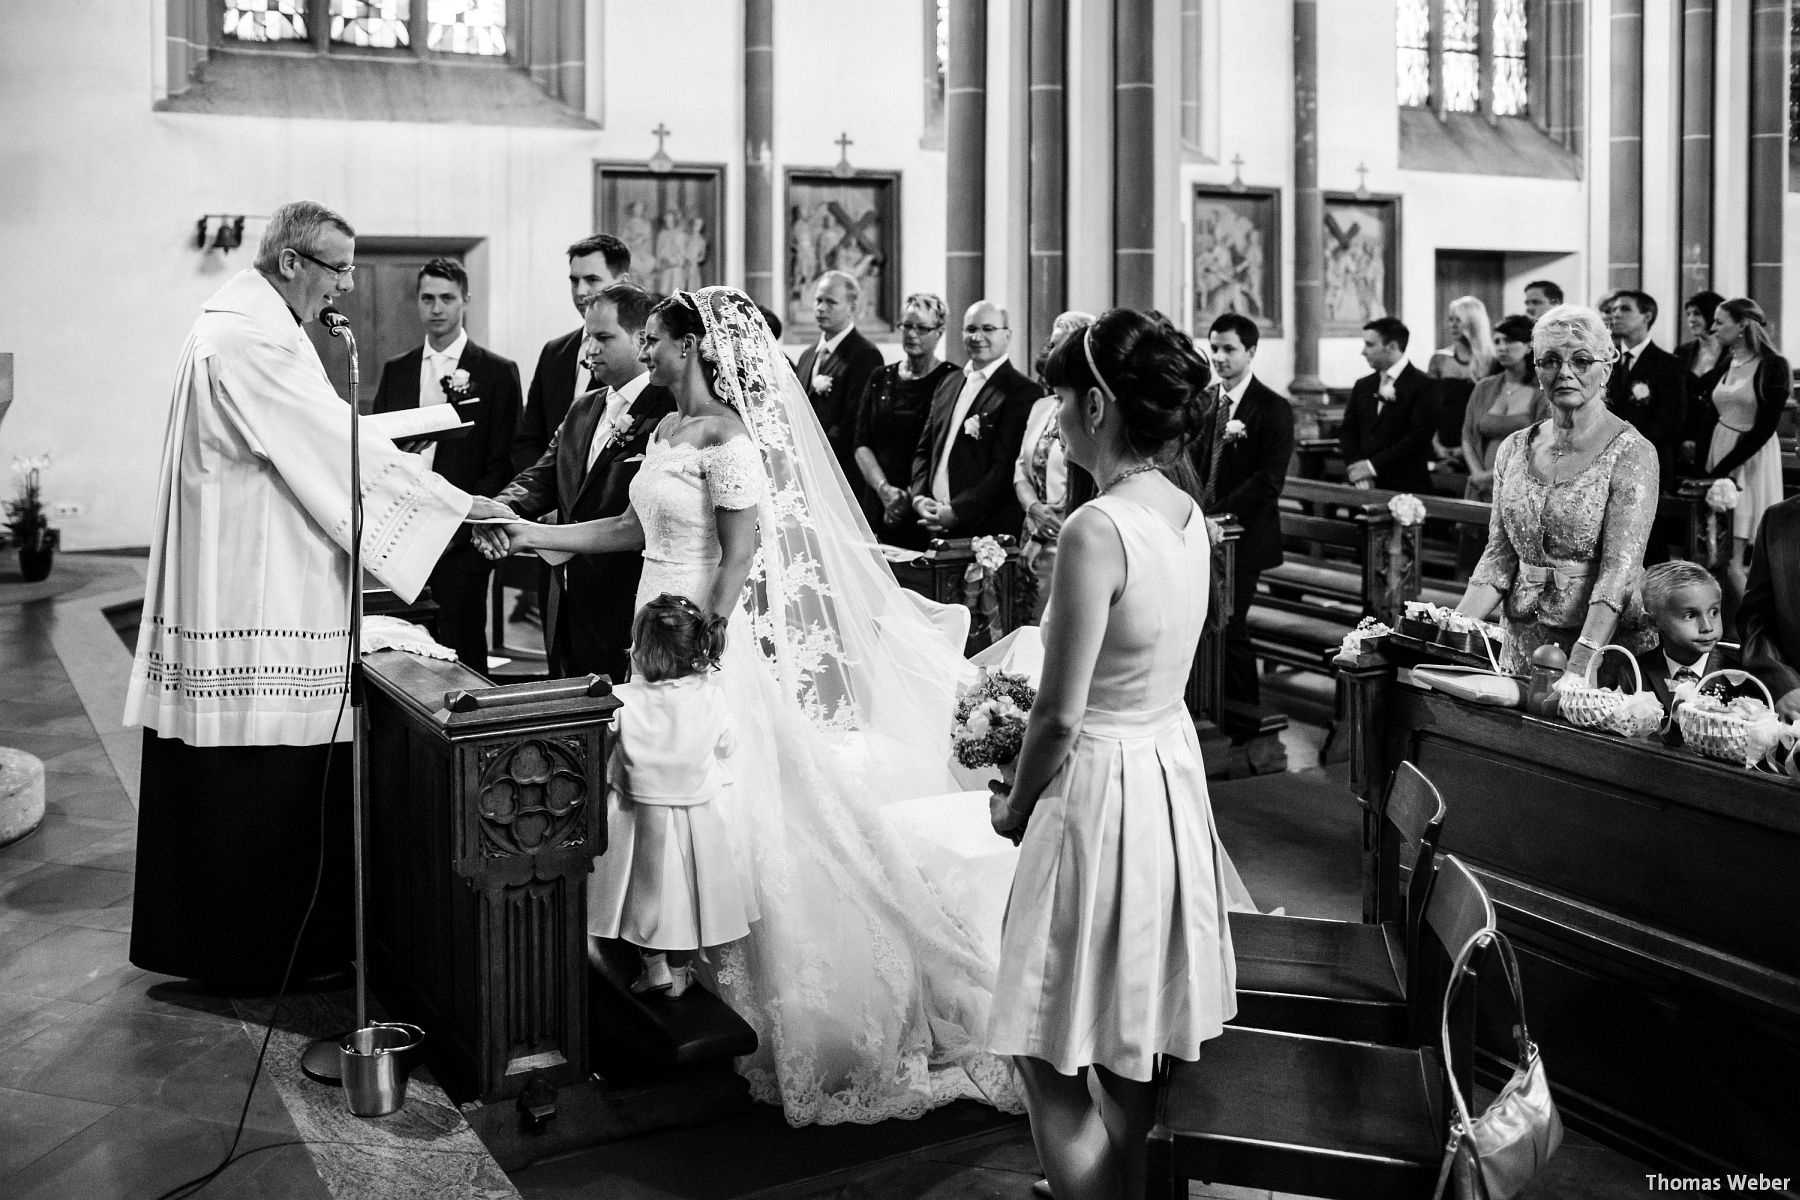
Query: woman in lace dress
[1574, 497]
[866, 987]
[1116, 947]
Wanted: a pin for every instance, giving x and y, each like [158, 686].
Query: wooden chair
[1320, 1117]
[1345, 979]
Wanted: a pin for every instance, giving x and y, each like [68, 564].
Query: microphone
[334, 320]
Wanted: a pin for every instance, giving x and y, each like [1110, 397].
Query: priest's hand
[482, 509]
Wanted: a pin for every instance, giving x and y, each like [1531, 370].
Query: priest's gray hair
[296, 225]
[845, 280]
[1574, 325]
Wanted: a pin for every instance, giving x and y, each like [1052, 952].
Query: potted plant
[28, 522]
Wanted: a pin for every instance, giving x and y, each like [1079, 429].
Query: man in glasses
[1386, 434]
[962, 481]
[243, 652]
[835, 369]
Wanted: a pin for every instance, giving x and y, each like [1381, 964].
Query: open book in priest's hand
[432, 423]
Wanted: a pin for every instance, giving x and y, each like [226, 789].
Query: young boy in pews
[1682, 602]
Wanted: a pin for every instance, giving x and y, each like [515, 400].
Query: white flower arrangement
[1640, 392]
[972, 428]
[989, 555]
[822, 384]
[1407, 508]
[989, 727]
[1351, 647]
[25, 464]
[1234, 430]
[456, 383]
[1215, 531]
[1722, 496]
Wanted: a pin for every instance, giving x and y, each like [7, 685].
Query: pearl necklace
[1127, 473]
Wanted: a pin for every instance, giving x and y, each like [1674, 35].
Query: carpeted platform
[1296, 839]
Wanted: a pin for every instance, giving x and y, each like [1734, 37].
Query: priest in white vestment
[242, 656]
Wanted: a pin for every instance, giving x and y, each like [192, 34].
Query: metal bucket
[376, 1062]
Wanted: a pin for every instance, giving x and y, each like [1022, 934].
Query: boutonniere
[456, 383]
[1640, 392]
[1234, 430]
[822, 384]
[972, 428]
[619, 432]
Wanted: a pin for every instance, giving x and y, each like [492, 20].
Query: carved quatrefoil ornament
[532, 795]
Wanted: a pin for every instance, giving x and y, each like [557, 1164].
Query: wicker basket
[1592, 706]
[1728, 736]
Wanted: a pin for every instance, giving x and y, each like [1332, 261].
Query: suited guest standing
[585, 474]
[452, 368]
[835, 369]
[962, 481]
[1648, 386]
[561, 377]
[1769, 615]
[1386, 434]
[1242, 461]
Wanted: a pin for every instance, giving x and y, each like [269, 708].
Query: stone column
[965, 160]
[1307, 390]
[1048, 185]
[759, 160]
[1134, 154]
[1697, 50]
[1768, 152]
[1625, 208]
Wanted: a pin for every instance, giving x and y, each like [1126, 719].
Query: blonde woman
[1458, 366]
[1041, 475]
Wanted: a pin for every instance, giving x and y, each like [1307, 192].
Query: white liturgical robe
[246, 623]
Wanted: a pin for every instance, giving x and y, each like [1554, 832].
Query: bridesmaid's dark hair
[1151, 368]
[671, 638]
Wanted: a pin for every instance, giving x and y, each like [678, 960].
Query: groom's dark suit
[478, 463]
[593, 596]
[983, 452]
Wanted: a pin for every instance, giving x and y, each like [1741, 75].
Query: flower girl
[674, 878]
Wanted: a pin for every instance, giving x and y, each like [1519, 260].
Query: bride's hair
[1150, 369]
[679, 316]
[671, 638]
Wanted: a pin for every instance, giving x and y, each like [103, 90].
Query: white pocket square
[633, 458]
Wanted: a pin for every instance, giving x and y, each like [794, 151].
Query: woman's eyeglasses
[1552, 364]
[915, 327]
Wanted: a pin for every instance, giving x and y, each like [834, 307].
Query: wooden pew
[1651, 895]
[1347, 558]
[940, 574]
[485, 814]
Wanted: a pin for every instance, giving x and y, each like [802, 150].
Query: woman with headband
[1115, 947]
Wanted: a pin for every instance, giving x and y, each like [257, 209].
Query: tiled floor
[115, 1083]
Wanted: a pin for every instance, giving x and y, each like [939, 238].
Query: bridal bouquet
[1722, 496]
[989, 727]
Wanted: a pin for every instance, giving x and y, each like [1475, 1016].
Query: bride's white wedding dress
[869, 994]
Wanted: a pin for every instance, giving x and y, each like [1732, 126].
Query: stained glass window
[467, 26]
[1462, 57]
[265, 20]
[1510, 93]
[381, 23]
[1412, 38]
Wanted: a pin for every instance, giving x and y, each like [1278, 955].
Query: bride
[868, 990]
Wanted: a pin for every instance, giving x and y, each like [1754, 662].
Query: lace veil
[866, 980]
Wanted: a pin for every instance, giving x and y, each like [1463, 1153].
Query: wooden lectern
[486, 809]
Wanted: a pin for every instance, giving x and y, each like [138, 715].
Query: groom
[586, 474]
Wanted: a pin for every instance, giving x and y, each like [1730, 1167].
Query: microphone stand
[321, 1059]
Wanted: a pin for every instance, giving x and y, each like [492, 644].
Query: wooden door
[1477, 273]
[383, 308]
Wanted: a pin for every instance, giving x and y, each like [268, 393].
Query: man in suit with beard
[451, 368]
[1386, 434]
[1242, 461]
[835, 369]
[585, 474]
[962, 483]
[561, 377]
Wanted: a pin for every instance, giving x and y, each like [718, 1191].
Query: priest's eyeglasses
[340, 272]
[1552, 364]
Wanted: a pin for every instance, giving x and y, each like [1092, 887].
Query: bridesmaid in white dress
[1115, 947]
[1747, 399]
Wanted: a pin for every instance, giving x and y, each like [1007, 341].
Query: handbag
[1478, 685]
[1493, 1156]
